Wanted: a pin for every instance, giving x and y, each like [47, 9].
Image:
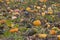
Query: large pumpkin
[37, 22]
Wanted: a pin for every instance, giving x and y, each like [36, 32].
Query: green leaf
[7, 34]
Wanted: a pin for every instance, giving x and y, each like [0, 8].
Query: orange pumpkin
[57, 4]
[37, 22]
[42, 35]
[58, 36]
[43, 0]
[48, 26]
[14, 30]
[1, 0]
[43, 13]
[52, 32]
[2, 21]
[50, 12]
[8, 2]
[28, 8]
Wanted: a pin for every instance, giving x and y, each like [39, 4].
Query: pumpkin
[43, 9]
[2, 21]
[14, 17]
[43, 13]
[53, 16]
[44, 6]
[8, 2]
[50, 12]
[12, 0]
[15, 13]
[42, 35]
[28, 8]
[38, 7]
[48, 26]
[57, 4]
[58, 36]
[35, 6]
[1, 0]
[52, 32]
[37, 22]
[24, 2]
[14, 30]
[43, 0]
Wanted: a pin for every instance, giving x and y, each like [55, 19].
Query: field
[29, 19]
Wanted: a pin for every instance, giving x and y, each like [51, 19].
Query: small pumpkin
[1, 0]
[11, 10]
[24, 2]
[43, 9]
[38, 7]
[52, 32]
[44, 6]
[14, 30]
[58, 36]
[14, 17]
[48, 25]
[35, 6]
[42, 35]
[28, 8]
[50, 12]
[2, 21]
[43, 0]
[8, 2]
[43, 13]
[15, 13]
[37, 22]
[57, 4]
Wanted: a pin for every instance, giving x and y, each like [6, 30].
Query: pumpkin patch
[29, 19]
[14, 30]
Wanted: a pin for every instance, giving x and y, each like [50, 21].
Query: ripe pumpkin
[14, 17]
[58, 36]
[35, 6]
[43, 13]
[42, 35]
[50, 12]
[53, 16]
[37, 22]
[1, 0]
[14, 30]
[8, 2]
[38, 7]
[57, 4]
[43, 0]
[28, 8]
[52, 32]
[2, 21]
[48, 26]
[15, 13]
[44, 6]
